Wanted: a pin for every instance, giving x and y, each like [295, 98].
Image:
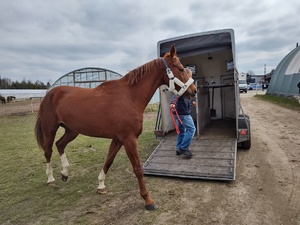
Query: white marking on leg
[65, 164]
[101, 179]
[49, 173]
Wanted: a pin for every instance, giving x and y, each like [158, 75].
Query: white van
[243, 87]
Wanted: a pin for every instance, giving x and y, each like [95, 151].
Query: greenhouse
[89, 77]
[286, 77]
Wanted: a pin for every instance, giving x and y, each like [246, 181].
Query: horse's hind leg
[133, 155]
[68, 136]
[48, 154]
[49, 173]
[114, 148]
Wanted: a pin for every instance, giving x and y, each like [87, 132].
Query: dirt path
[19, 108]
[266, 190]
[269, 174]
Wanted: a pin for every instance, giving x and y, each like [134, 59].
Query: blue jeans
[187, 130]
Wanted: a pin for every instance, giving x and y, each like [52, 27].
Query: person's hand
[172, 106]
[194, 103]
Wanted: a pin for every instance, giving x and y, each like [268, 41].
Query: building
[257, 79]
[286, 76]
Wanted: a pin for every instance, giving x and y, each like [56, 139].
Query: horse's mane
[135, 75]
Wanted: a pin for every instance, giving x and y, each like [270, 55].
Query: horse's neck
[145, 88]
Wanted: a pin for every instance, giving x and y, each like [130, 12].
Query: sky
[44, 40]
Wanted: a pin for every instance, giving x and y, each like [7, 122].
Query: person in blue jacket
[187, 128]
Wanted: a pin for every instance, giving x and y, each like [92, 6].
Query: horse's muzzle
[192, 91]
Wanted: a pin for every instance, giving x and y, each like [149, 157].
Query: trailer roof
[198, 43]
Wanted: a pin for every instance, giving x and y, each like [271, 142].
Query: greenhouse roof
[88, 77]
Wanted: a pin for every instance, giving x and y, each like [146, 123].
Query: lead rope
[173, 117]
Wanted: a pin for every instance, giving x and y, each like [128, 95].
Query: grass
[24, 196]
[26, 199]
[152, 107]
[285, 102]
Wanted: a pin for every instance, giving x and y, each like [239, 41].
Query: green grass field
[25, 198]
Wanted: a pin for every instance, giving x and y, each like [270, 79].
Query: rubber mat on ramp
[213, 159]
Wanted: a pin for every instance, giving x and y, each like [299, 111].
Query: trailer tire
[247, 144]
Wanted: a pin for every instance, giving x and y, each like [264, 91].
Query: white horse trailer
[221, 123]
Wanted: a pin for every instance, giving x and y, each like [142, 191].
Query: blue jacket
[183, 105]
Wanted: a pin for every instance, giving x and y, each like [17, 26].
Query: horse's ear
[173, 51]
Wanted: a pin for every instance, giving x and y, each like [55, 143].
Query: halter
[174, 80]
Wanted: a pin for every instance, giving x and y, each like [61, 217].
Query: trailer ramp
[213, 159]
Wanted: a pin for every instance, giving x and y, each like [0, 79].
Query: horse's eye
[181, 69]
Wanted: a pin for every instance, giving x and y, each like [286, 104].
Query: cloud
[45, 40]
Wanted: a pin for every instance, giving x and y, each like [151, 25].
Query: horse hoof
[102, 191]
[152, 207]
[50, 183]
[64, 178]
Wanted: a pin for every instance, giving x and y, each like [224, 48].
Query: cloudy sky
[43, 40]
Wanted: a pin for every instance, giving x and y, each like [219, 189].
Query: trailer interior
[211, 59]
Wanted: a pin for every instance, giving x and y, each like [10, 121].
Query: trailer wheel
[247, 144]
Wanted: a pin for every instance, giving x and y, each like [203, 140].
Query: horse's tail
[39, 134]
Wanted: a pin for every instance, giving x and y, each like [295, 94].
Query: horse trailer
[221, 124]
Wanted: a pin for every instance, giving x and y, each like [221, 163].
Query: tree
[6, 83]
[250, 72]
[248, 79]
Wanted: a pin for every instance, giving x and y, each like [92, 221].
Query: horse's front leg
[65, 164]
[133, 155]
[101, 187]
[114, 148]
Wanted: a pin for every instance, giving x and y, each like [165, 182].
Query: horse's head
[179, 78]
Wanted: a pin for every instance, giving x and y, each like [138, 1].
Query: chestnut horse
[111, 110]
